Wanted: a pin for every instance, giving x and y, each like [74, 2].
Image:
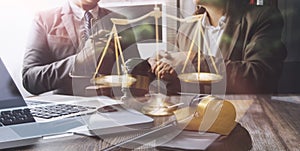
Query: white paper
[189, 140]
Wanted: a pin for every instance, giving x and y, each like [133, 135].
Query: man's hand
[93, 46]
[86, 59]
[164, 71]
[173, 58]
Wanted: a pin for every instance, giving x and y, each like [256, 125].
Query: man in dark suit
[248, 38]
[59, 46]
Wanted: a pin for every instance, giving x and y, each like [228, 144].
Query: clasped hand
[164, 64]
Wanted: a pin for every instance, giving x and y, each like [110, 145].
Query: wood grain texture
[273, 124]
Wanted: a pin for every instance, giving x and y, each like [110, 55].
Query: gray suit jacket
[52, 48]
[251, 47]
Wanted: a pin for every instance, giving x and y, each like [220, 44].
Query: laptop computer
[19, 127]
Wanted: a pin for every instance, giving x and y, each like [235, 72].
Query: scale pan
[158, 106]
[162, 110]
[114, 80]
[201, 77]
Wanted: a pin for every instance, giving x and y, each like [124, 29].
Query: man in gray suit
[56, 47]
[248, 38]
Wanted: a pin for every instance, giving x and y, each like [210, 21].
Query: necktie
[87, 24]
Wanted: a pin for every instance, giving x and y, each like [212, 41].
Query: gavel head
[208, 114]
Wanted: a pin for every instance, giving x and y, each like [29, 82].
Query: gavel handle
[145, 138]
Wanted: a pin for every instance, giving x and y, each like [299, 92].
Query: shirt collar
[79, 13]
[206, 23]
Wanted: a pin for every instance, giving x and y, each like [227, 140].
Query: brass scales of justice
[157, 106]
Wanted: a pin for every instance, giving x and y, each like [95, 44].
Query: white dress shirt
[212, 35]
[79, 18]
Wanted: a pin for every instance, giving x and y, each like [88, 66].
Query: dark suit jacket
[251, 47]
[52, 48]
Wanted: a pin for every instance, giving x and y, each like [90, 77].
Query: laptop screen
[10, 96]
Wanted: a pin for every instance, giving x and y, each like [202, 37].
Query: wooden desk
[273, 124]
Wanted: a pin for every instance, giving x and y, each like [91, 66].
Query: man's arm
[260, 69]
[41, 72]
[263, 53]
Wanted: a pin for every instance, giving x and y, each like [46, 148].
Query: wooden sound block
[211, 114]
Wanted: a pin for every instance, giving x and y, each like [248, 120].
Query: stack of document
[190, 140]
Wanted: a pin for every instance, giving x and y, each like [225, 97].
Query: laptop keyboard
[58, 110]
[15, 117]
[19, 116]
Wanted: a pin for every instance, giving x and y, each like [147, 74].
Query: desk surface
[273, 124]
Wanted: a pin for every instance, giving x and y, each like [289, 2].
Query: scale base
[158, 106]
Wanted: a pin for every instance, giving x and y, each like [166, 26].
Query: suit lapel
[230, 35]
[68, 22]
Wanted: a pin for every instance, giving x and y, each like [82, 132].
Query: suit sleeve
[262, 52]
[41, 72]
[263, 56]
